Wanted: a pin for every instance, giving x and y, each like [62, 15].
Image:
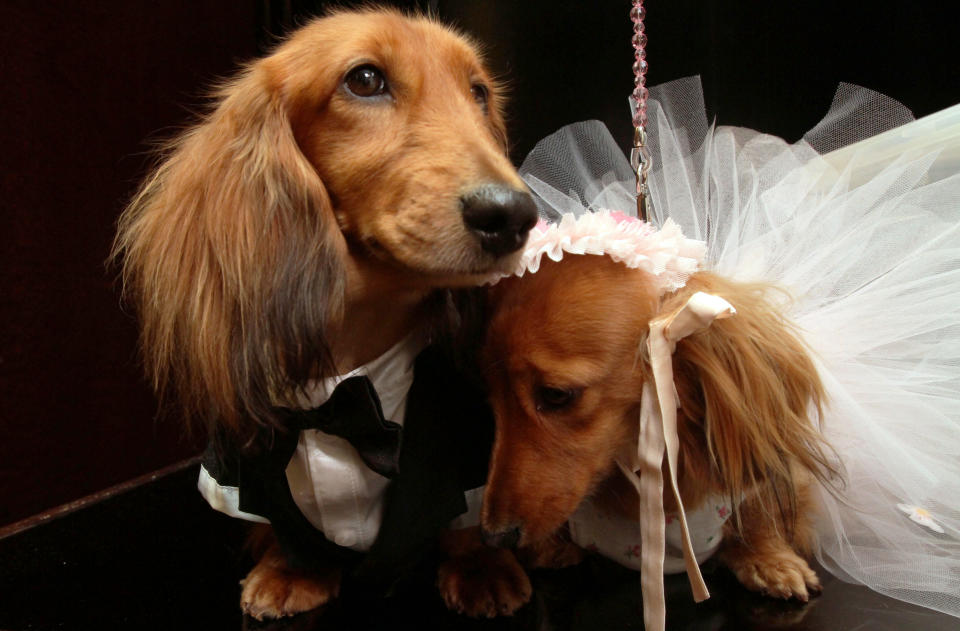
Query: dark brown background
[85, 84]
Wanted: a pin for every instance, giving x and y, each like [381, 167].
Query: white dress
[618, 538]
[860, 222]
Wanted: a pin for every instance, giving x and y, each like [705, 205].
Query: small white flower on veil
[921, 516]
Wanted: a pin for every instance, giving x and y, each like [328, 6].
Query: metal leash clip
[640, 162]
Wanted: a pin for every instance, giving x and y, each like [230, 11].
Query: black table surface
[157, 557]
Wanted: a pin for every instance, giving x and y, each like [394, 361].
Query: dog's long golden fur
[748, 385]
[231, 253]
[566, 379]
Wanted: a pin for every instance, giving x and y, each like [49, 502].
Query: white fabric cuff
[470, 518]
[225, 499]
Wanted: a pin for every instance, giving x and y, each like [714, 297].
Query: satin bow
[353, 412]
[658, 440]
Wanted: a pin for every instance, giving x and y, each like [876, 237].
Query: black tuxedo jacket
[446, 441]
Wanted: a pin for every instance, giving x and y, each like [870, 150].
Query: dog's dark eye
[480, 94]
[551, 399]
[366, 81]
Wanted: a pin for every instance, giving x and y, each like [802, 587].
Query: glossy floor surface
[156, 557]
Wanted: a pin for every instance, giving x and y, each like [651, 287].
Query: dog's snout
[501, 217]
[508, 538]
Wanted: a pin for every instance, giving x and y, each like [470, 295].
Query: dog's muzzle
[500, 217]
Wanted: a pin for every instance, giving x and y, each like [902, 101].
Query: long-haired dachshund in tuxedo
[315, 217]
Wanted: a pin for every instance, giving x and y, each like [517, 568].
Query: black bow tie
[353, 412]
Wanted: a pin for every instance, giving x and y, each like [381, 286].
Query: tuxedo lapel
[428, 493]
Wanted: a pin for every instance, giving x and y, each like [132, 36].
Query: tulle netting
[865, 236]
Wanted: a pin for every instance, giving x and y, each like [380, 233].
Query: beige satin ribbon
[658, 434]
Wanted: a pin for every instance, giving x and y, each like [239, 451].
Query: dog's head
[366, 136]
[403, 125]
[564, 377]
[565, 367]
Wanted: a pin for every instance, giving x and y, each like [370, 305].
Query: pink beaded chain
[640, 156]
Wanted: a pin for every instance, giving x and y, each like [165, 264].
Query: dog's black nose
[508, 538]
[501, 217]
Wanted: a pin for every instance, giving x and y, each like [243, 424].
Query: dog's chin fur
[473, 269]
[747, 390]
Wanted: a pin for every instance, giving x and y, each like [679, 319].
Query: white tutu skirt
[860, 222]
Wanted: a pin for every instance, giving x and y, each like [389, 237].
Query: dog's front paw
[487, 582]
[782, 574]
[271, 592]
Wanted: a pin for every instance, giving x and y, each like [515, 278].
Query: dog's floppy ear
[748, 384]
[232, 256]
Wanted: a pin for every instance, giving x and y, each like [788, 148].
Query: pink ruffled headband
[665, 253]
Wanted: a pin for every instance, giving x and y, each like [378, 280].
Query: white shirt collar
[390, 373]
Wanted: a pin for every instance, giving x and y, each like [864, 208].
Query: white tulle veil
[865, 237]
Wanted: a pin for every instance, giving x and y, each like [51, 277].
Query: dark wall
[768, 65]
[84, 86]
